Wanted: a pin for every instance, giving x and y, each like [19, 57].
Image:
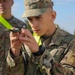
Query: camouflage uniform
[4, 40]
[57, 59]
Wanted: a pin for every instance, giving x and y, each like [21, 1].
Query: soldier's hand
[15, 43]
[29, 40]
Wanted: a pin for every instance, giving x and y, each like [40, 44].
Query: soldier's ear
[53, 15]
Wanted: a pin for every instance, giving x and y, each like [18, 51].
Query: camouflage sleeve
[52, 67]
[15, 66]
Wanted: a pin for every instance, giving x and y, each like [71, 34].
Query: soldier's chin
[1, 12]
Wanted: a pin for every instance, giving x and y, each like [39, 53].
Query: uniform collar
[10, 18]
[51, 40]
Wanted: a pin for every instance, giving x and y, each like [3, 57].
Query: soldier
[5, 12]
[56, 53]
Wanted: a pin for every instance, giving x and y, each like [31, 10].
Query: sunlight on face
[41, 24]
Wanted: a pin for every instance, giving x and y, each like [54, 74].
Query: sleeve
[15, 66]
[52, 67]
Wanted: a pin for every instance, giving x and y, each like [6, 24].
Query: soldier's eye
[37, 17]
[3, 0]
[29, 19]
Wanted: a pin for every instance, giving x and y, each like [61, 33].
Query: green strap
[5, 23]
[37, 38]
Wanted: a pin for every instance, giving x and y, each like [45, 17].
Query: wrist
[40, 51]
[14, 53]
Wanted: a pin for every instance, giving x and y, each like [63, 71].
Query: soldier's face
[43, 24]
[5, 6]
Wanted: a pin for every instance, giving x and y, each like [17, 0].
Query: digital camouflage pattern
[57, 59]
[4, 41]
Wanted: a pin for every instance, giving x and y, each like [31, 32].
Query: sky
[65, 10]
